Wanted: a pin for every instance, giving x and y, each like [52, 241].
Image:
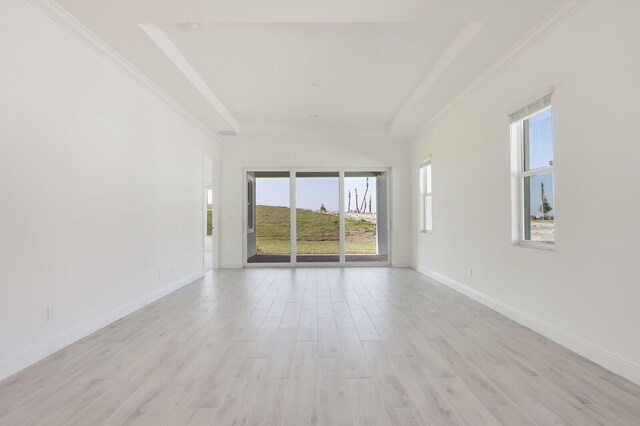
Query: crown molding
[61, 16]
[455, 48]
[155, 33]
[557, 16]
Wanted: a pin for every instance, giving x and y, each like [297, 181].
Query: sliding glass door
[308, 216]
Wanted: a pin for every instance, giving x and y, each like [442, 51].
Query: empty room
[340, 212]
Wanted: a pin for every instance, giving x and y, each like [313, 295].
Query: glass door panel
[271, 241]
[365, 217]
[317, 217]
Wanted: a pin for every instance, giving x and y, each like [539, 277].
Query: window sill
[534, 245]
[426, 232]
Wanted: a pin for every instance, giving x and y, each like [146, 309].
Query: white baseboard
[23, 360]
[587, 350]
[231, 265]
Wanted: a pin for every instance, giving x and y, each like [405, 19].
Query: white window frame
[518, 181]
[425, 174]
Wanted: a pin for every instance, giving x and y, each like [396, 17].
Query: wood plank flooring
[317, 346]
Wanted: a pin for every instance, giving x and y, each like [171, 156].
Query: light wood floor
[374, 346]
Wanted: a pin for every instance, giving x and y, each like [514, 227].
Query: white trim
[40, 351]
[232, 265]
[425, 161]
[82, 33]
[293, 219]
[559, 15]
[549, 90]
[205, 207]
[569, 341]
[342, 223]
[173, 53]
[534, 245]
[455, 48]
[390, 217]
[216, 214]
[536, 172]
[248, 179]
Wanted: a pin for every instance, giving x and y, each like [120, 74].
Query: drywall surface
[587, 289]
[101, 189]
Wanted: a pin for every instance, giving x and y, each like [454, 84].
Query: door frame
[215, 188]
[292, 197]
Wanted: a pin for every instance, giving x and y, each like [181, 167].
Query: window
[250, 204]
[533, 171]
[426, 205]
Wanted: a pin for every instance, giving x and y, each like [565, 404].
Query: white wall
[101, 187]
[589, 287]
[321, 152]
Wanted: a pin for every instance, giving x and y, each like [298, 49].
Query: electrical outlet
[51, 313]
[470, 273]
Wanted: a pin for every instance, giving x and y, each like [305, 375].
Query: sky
[312, 192]
[540, 153]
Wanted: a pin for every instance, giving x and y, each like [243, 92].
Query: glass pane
[317, 219]
[428, 215]
[538, 208]
[423, 217]
[538, 141]
[428, 178]
[271, 241]
[365, 217]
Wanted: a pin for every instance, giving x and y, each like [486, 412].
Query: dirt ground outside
[543, 230]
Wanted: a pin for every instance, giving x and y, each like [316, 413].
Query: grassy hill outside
[317, 232]
[209, 219]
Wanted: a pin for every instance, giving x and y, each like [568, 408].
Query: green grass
[209, 219]
[317, 233]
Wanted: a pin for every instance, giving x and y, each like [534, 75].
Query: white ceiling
[381, 66]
